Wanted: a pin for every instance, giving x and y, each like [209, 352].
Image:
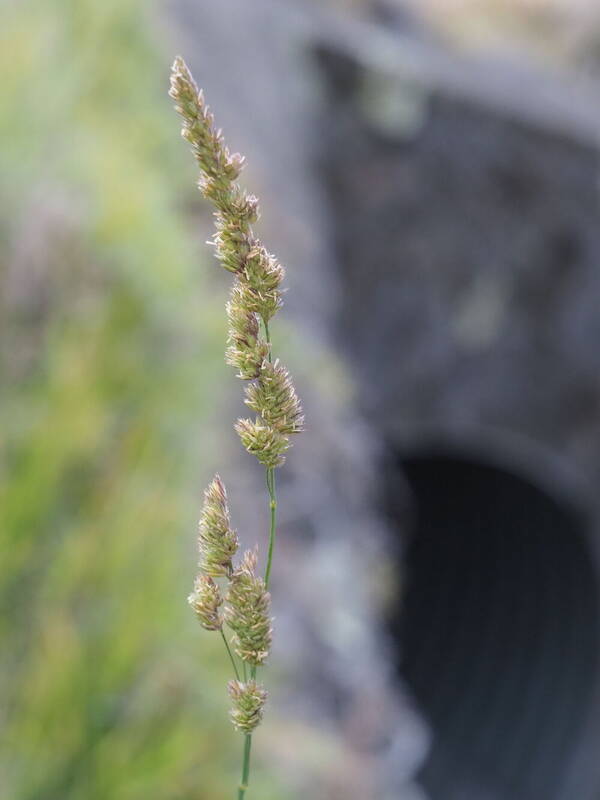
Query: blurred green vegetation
[110, 368]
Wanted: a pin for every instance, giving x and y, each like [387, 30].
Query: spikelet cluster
[206, 600]
[217, 541]
[219, 168]
[247, 612]
[256, 294]
[247, 351]
[248, 703]
[247, 607]
[274, 398]
[217, 545]
[262, 441]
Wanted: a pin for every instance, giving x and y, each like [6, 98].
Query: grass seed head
[248, 704]
[217, 541]
[206, 600]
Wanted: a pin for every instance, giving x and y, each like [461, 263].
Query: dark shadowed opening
[498, 632]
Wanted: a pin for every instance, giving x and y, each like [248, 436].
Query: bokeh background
[429, 176]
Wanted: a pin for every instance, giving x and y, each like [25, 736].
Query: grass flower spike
[219, 168]
[248, 703]
[206, 600]
[247, 352]
[262, 441]
[247, 612]
[217, 542]
[256, 297]
[273, 397]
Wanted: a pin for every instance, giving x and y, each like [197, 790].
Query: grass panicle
[256, 296]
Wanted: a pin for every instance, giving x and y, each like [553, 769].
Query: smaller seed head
[198, 127]
[247, 612]
[248, 362]
[232, 240]
[205, 600]
[273, 397]
[248, 704]
[217, 542]
[231, 245]
[243, 324]
[236, 208]
[263, 441]
[262, 274]
[184, 89]
[247, 352]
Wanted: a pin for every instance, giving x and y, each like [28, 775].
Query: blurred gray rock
[465, 212]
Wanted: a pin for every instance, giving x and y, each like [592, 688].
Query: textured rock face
[471, 244]
[467, 237]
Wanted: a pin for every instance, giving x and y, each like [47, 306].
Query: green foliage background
[110, 366]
